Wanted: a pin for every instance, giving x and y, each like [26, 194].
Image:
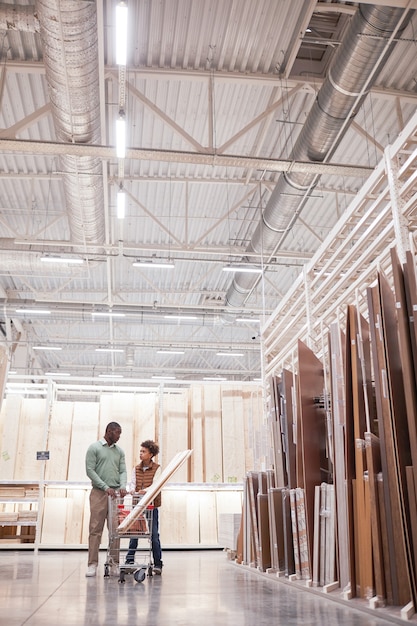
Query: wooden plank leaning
[154, 489]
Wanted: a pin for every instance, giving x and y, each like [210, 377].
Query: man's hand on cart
[115, 493]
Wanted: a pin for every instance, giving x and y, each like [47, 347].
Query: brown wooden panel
[287, 531]
[312, 428]
[373, 455]
[287, 418]
[264, 544]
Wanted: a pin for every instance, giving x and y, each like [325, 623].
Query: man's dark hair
[151, 446]
[112, 426]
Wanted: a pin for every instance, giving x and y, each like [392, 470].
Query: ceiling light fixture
[155, 264]
[121, 203]
[60, 259]
[61, 374]
[46, 348]
[109, 350]
[164, 377]
[110, 376]
[180, 317]
[230, 354]
[215, 378]
[249, 320]
[121, 33]
[170, 352]
[121, 136]
[107, 314]
[34, 311]
[243, 268]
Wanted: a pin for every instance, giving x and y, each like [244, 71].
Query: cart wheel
[121, 576]
[139, 575]
[150, 572]
[106, 571]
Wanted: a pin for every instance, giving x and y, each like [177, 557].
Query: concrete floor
[197, 588]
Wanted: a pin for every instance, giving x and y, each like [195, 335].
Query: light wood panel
[232, 434]
[59, 439]
[84, 432]
[176, 430]
[32, 438]
[208, 518]
[10, 414]
[213, 455]
[197, 429]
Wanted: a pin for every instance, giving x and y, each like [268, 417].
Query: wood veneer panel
[11, 409]
[373, 454]
[287, 532]
[264, 544]
[343, 481]
[32, 437]
[287, 418]
[84, 431]
[212, 437]
[59, 438]
[387, 378]
[233, 443]
[313, 433]
[176, 430]
[196, 426]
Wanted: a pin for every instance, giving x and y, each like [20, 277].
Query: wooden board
[212, 438]
[59, 439]
[197, 428]
[11, 408]
[312, 430]
[145, 423]
[383, 327]
[232, 434]
[54, 521]
[264, 530]
[32, 438]
[75, 514]
[120, 408]
[343, 486]
[208, 518]
[84, 432]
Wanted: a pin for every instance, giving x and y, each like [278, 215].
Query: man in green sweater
[106, 467]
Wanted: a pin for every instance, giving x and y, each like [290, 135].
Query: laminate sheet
[277, 526]
[264, 530]
[287, 532]
[287, 419]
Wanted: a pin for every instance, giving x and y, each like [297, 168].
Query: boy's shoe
[91, 571]
[157, 569]
[129, 562]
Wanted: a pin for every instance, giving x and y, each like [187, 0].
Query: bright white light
[46, 348]
[249, 320]
[58, 374]
[121, 33]
[121, 137]
[160, 264]
[180, 317]
[34, 311]
[109, 350]
[215, 378]
[170, 351]
[60, 259]
[243, 268]
[229, 353]
[121, 204]
[110, 376]
[107, 314]
[163, 377]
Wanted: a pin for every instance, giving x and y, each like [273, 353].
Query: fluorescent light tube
[121, 33]
[249, 320]
[230, 354]
[110, 376]
[121, 204]
[214, 378]
[121, 137]
[46, 348]
[35, 311]
[180, 317]
[107, 314]
[161, 264]
[60, 259]
[243, 268]
[170, 352]
[57, 374]
[164, 377]
[109, 350]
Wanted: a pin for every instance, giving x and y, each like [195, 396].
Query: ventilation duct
[351, 74]
[68, 31]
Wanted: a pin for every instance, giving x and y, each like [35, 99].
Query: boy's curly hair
[151, 446]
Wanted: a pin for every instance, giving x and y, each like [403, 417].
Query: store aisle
[197, 588]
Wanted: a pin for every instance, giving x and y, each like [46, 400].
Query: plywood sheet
[32, 438]
[75, 514]
[59, 439]
[232, 434]
[213, 435]
[84, 432]
[54, 521]
[197, 427]
[176, 430]
[264, 530]
[145, 420]
[10, 415]
[208, 518]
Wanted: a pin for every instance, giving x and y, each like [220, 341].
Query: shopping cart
[141, 529]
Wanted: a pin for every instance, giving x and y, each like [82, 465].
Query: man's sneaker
[157, 569]
[91, 571]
